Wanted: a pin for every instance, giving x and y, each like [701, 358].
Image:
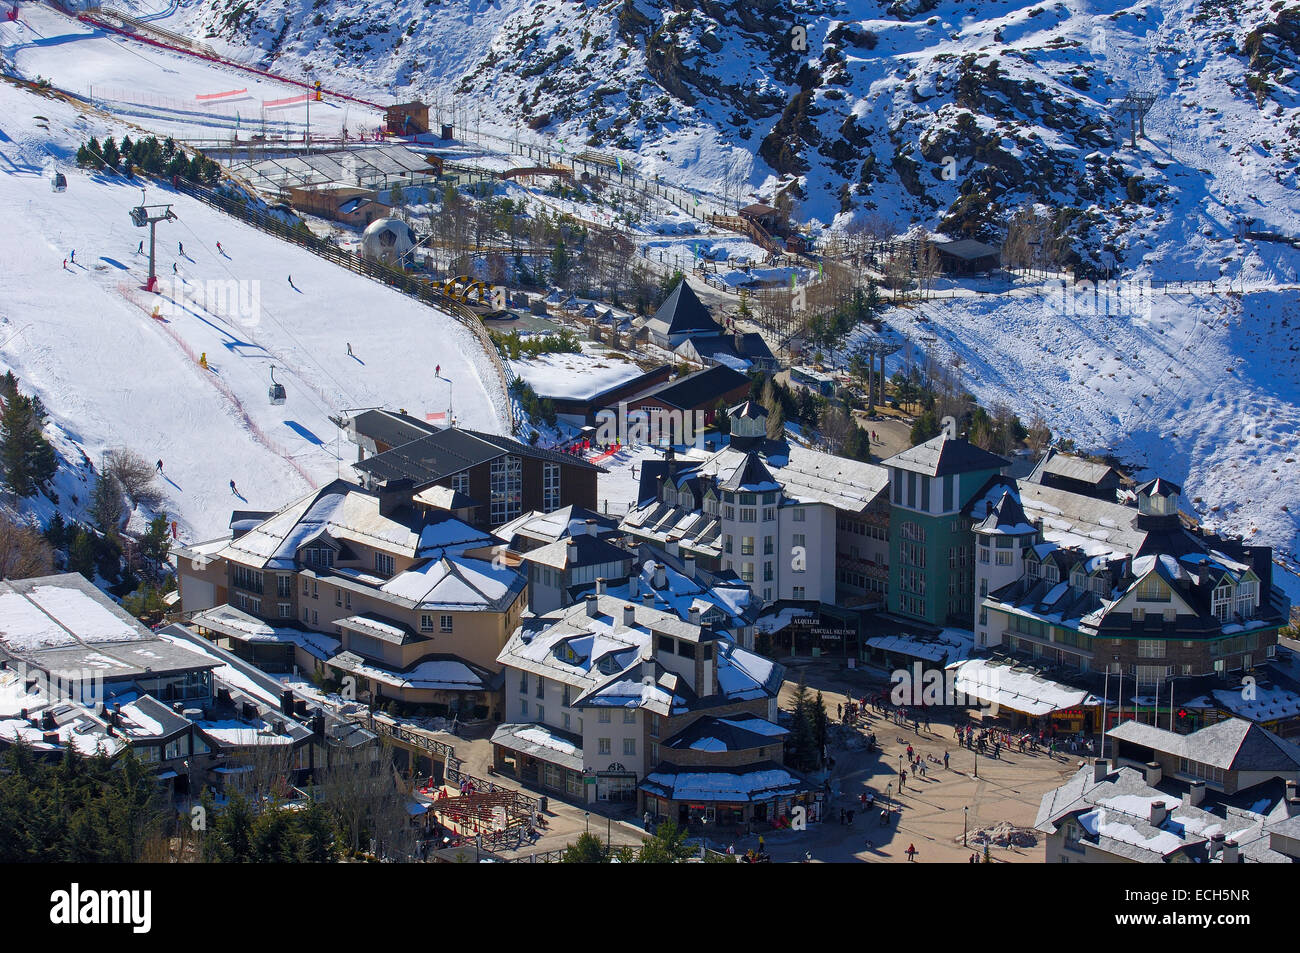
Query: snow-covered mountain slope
[83, 338]
[863, 106]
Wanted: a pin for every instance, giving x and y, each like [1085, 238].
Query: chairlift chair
[276, 391]
[59, 182]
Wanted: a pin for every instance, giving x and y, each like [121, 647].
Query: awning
[165, 775]
[542, 743]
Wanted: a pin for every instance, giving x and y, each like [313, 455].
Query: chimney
[690, 567]
[318, 724]
[47, 721]
[178, 707]
[710, 445]
[661, 576]
[629, 615]
[1100, 768]
[648, 599]
[1152, 772]
[592, 607]
[1196, 794]
[571, 553]
[1216, 843]
[600, 586]
[286, 702]
[1231, 853]
[695, 615]
[591, 527]
[634, 584]
[1158, 813]
[394, 495]
[673, 546]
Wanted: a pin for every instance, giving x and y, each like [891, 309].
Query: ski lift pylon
[276, 392]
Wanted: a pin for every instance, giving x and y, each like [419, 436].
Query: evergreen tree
[230, 839]
[26, 457]
[587, 850]
[156, 541]
[820, 722]
[667, 846]
[802, 742]
[107, 505]
[81, 556]
[110, 154]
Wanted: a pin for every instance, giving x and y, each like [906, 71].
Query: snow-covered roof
[1018, 690]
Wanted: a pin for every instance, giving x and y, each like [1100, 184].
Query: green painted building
[931, 545]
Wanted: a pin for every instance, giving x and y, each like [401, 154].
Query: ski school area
[188, 94]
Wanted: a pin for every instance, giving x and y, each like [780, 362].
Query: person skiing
[174, 271]
[140, 248]
[180, 247]
[291, 284]
[65, 264]
[232, 488]
[159, 466]
[73, 257]
[350, 349]
[220, 250]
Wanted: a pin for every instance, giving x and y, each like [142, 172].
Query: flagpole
[1105, 697]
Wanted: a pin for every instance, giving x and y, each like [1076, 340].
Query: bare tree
[23, 552]
[135, 475]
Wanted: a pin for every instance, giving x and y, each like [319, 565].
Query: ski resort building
[680, 317]
[497, 479]
[655, 709]
[76, 671]
[412, 604]
[792, 523]
[931, 546]
[1133, 590]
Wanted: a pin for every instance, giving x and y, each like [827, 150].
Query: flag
[820, 270]
[792, 281]
[620, 165]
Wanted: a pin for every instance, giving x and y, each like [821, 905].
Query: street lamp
[965, 811]
[587, 817]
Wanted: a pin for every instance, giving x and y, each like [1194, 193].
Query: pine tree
[155, 544]
[802, 743]
[110, 154]
[26, 457]
[107, 505]
[81, 555]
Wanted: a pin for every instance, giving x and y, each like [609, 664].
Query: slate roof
[1233, 745]
[682, 312]
[579, 550]
[437, 456]
[967, 249]
[730, 733]
[943, 455]
[700, 389]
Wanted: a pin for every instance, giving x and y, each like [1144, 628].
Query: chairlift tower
[878, 348]
[1136, 106]
[142, 216]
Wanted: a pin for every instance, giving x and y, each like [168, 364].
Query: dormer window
[1247, 598]
[318, 557]
[1033, 568]
[686, 500]
[670, 494]
[1078, 580]
[1222, 602]
[1051, 573]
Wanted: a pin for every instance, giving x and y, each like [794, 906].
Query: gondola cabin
[59, 182]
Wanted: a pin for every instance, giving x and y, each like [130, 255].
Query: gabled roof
[1006, 517]
[701, 388]
[439, 455]
[682, 312]
[752, 477]
[944, 455]
[967, 249]
[1159, 487]
[728, 733]
[1232, 745]
[580, 550]
[750, 408]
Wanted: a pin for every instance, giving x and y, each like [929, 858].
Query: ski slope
[110, 374]
[167, 92]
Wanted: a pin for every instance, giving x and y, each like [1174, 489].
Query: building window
[384, 564]
[460, 483]
[550, 487]
[523, 683]
[426, 623]
[505, 486]
[767, 572]
[747, 572]
[726, 544]
[564, 696]
[444, 623]
[541, 713]
[319, 557]
[604, 746]
[747, 545]
[566, 721]
[797, 539]
[541, 687]
[523, 708]
[338, 596]
[1152, 589]
[797, 592]
[286, 610]
[629, 747]
[797, 514]
[604, 717]
[654, 725]
[1151, 648]
[629, 716]
[246, 578]
[284, 586]
[1139, 614]
[1004, 558]
[748, 514]
[768, 547]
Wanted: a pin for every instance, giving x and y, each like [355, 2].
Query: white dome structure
[387, 240]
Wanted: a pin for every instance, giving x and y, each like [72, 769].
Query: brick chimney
[600, 586]
[571, 552]
[695, 615]
[1100, 768]
[690, 566]
[629, 615]
[592, 606]
[1231, 853]
[661, 576]
[1196, 793]
[673, 545]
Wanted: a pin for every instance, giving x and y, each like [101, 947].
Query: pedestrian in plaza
[839, 712]
[945, 761]
[902, 780]
[922, 769]
[842, 813]
[851, 813]
[910, 753]
[911, 852]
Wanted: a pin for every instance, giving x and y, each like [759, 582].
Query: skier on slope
[180, 247]
[232, 488]
[220, 250]
[73, 257]
[159, 465]
[350, 354]
[140, 249]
